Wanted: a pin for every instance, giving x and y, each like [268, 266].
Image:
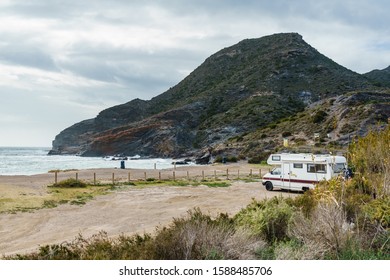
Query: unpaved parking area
[124, 211]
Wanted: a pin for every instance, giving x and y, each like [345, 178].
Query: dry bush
[212, 241]
[325, 232]
[97, 247]
[308, 251]
[200, 237]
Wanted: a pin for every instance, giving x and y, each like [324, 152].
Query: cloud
[29, 56]
[66, 61]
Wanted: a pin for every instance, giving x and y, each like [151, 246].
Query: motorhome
[301, 172]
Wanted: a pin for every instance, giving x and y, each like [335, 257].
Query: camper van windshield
[338, 167]
[276, 171]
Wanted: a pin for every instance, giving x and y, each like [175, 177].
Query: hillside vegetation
[325, 126]
[337, 220]
[243, 92]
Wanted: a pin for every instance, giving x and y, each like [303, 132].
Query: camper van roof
[284, 157]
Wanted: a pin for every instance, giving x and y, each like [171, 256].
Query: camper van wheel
[304, 189]
[269, 186]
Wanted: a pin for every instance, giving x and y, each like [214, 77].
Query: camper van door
[286, 175]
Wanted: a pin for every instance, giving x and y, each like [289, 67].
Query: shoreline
[233, 170]
[34, 161]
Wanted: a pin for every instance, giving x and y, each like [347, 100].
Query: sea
[33, 160]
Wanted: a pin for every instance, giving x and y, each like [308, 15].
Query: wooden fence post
[129, 177]
[227, 174]
[55, 177]
[238, 174]
[94, 178]
[188, 175]
[174, 176]
[215, 175]
[159, 175]
[77, 176]
[250, 173]
[145, 175]
[203, 175]
[113, 178]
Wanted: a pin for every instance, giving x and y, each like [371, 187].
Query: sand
[124, 211]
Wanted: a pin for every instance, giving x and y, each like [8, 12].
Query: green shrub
[220, 159]
[370, 157]
[255, 160]
[49, 204]
[259, 158]
[286, 134]
[272, 126]
[357, 197]
[267, 218]
[217, 184]
[319, 116]
[353, 250]
[378, 210]
[69, 183]
[231, 159]
[305, 203]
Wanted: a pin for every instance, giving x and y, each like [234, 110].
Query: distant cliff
[236, 92]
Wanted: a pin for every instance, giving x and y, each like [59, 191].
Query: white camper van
[301, 172]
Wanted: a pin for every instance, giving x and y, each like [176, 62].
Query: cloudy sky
[63, 61]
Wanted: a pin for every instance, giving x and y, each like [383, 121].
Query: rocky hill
[236, 93]
[379, 77]
[328, 125]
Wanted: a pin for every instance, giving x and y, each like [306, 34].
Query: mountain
[380, 77]
[237, 91]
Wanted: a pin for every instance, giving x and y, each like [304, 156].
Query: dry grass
[23, 199]
[200, 237]
[14, 199]
[325, 232]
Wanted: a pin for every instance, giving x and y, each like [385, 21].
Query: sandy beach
[123, 211]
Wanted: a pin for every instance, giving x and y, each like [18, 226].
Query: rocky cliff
[237, 91]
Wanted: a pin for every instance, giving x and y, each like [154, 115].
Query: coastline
[33, 161]
[104, 175]
[123, 211]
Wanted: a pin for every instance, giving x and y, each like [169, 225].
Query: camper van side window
[276, 158]
[298, 165]
[316, 168]
[320, 168]
[311, 168]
